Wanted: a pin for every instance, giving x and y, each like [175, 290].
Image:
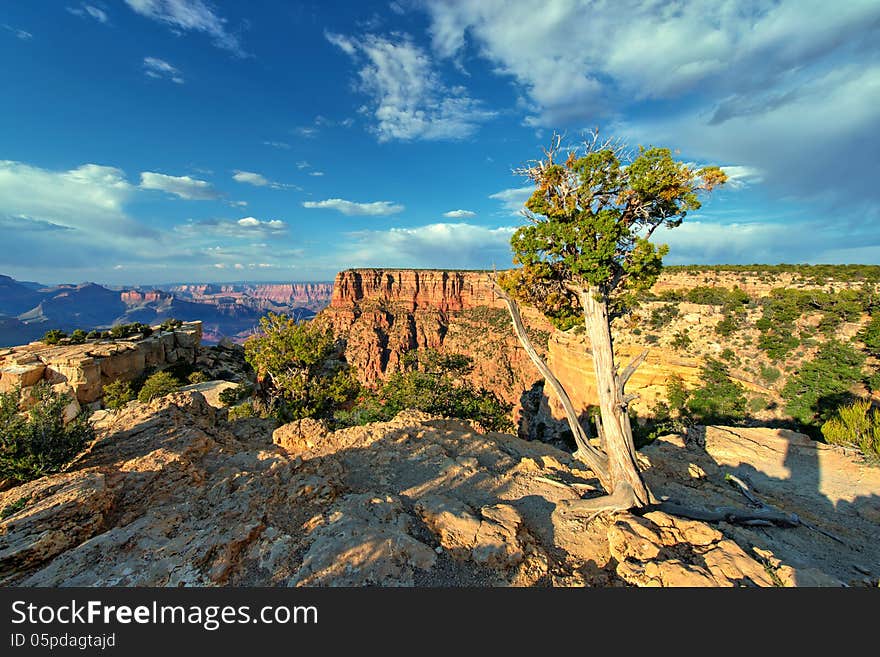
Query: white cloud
[459, 214]
[742, 176]
[513, 199]
[190, 15]
[317, 174]
[259, 180]
[278, 144]
[162, 70]
[244, 228]
[89, 10]
[184, 187]
[408, 99]
[303, 165]
[306, 131]
[351, 208]
[23, 35]
[446, 245]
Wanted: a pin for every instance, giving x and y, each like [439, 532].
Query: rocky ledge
[172, 494]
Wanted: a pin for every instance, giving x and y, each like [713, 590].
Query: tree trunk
[616, 428]
[597, 461]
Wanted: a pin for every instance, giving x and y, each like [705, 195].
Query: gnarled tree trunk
[616, 429]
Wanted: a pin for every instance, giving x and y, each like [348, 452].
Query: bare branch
[628, 371]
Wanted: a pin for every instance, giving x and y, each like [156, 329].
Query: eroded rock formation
[171, 494]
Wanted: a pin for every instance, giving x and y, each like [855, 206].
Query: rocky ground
[172, 494]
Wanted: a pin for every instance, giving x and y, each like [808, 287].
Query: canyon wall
[384, 313]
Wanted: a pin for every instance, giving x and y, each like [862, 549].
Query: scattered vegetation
[434, 383]
[117, 394]
[198, 377]
[233, 396]
[242, 411]
[823, 383]
[37, 442]
[158, 385]
[53, 337]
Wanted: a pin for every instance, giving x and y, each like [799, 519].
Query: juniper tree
[584, 254]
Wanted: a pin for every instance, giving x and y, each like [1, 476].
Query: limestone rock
[300, 435]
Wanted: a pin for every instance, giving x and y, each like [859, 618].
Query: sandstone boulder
[300, 435]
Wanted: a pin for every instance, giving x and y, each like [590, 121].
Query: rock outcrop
[84, 369]
[171, 494]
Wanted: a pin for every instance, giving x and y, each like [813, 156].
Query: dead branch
[596, 460]
[630, 369]
[731, 514]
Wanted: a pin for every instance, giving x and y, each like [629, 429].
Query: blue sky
[150, 141]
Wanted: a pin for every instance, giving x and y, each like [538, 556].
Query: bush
[855, 425]
[681, 340]
[78, 336]
[438, 387]
[117, 394]
[53, 337]
[663, 315]
[719, 399]
[873, 381]
[770, 375]
[241, 412]
[870, 335]
[38, 443]
[170, 324]
[301, 368]
[198, 377]
[824, 383]
[232, 396]
[158, 385]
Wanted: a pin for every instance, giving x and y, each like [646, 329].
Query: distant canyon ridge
[227, 310]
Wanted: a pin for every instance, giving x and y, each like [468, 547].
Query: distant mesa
[28, 310]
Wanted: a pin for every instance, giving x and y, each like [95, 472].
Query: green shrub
[873, 381]
[719, 399]
[78, 336]
[242, 411]
[855, 425]
[14, 507]
[823, 383]
[198, 377]
[769, 375]
[117, 394]
[170, 324]
[728, 355]
[681, 340]
[757, 404]
[53, 337]
[232, 396]
[301, 368]
[663, 315]
[438, 387]
[158, 385]
[870, 335]
[93, 335]
[37, 443]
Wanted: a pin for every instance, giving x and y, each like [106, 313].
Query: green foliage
[37, 443]
[93, 335]
[170, 324]
[590, 218]
[121, 331]
[720, 399]
[870, 335]
[676, 394]
[823, 383]
[117, 394]
[663, 315]
[14, 507]
[78, 336]
[198, 377]
[232, 396]
[770, 375]
[242, 411]
[158, 385]
[855, 425]
[728, 355]
[301, 369]
[438, 387]
[681, 340]
[820, 273]
[731, 299]
[728, 324]
[757, 404]
[53, 337]
[873, 381]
